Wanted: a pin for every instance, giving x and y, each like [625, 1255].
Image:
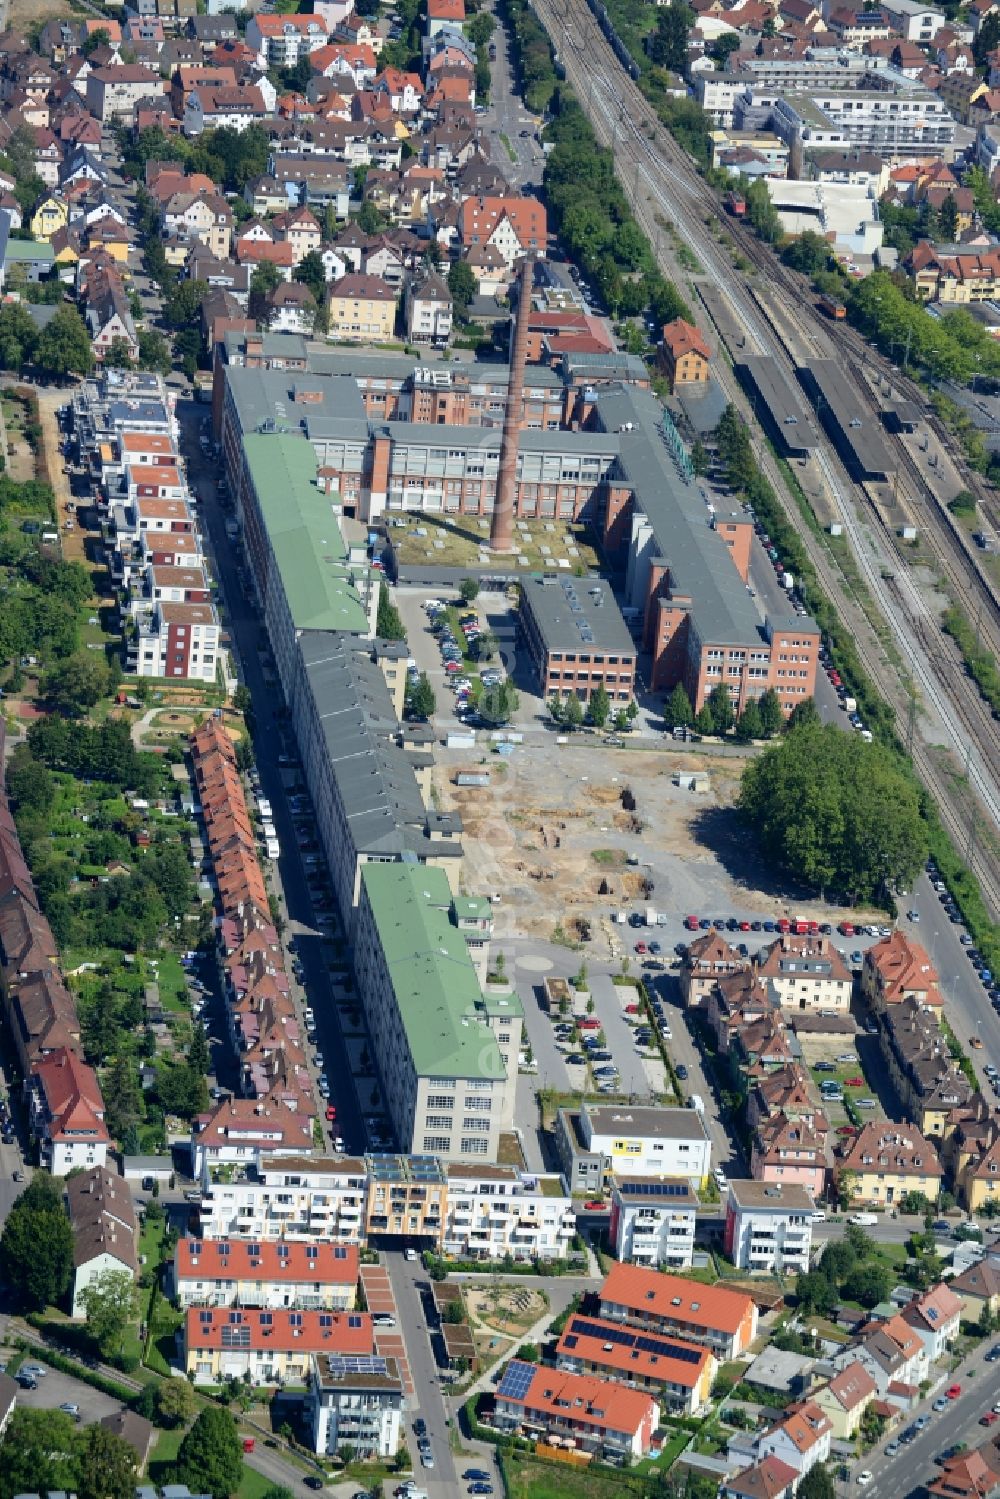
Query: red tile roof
[241, 1259]
[652, 1294]
[310, 1332]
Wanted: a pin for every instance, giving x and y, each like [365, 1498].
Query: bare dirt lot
[583, 830]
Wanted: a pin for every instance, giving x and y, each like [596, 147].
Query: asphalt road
[407, 1277]
[507, 116]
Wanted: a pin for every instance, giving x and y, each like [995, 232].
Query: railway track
[662, 185]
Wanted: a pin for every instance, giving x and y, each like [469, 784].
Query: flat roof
[836, 400]
[658, 1123]
[573, 614]
[672, 1191]
[790, 420]
[773, 1196]
[434, 982]
[318, 581]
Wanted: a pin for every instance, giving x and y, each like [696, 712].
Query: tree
[107, 1467]
[668, 44]
[815, 1292]
[77, 683]
[36, 1247]
[699, 458]
[869, 1283]
[99, 38]
[678, 712]
[199, 1057]
[243, 699]
[266, 277]
[844, 815]
[720, 704]
[29, 783]
[463, 286]
[572, 711]
[388, 623]
[370, 218]
[772, 717]
[804, 714]
[311, 272]
[497, 705]
[600, 706]
[704, 720]
[422, 699]
[480, 28]
[118, 355]
[64, 346]
[122, 1097]
[154, 352]
[487, 646]
[749, 725]
[38, 1453]
[817, 1484]
[468, 590]
[210, 1459]
[175, 1402]
[18, 336]
[110, 1302]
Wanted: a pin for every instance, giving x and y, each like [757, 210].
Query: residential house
[935, 1315]
[653, 1221]
[685, 355]
[806, 973]
[224, 108]
[67, 1113]
[140, 1434]
[105, 1229]
[599, 1416]
[771, 1478]
[801, 1438]
[896, 968]
[513, 226]
[892, 1352]
[886, 1162]
[845, 1399]
[268, 1347]
[978, 1288]
[428, 310]
[291, 308]
[299, 228]
[205, 217]
[723, 1320]
[51, 215]
[707, 959]
[792, 1151]
[768, 1226]
[362, 309]
[257, 1273]
[968, 1475]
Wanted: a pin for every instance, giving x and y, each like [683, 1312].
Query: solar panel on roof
[516, 1381]
[236, 1337]
[662, 1347]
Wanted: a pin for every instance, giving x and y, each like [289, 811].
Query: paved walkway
[389, 1341]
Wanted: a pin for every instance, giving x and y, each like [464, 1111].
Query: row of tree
[760, 719]
[62, 348]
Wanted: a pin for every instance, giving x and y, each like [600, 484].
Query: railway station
[778, 406]
[852, 428]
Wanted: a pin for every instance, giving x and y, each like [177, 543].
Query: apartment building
[914, 22]
[910, 122]
[791, 1151]
[896, 968]
[679, 1372]
[929, 1083]
[768, 1227]
[66, 1113]
[278, 41]
[429, 311]
[355, 1402]
[261, 1273]
[268, 1347]
[596, 1141]
[496, 1211]
[238, 1131]
[806, 973]
[442, 1072]
[577, 639]
[175, 640]
[724, 1321]
[708, 959]
[887, 1161]
[598, 1416]
[361, 309]
[113, 92]
[407, 1195]
[685, 355]
[293, 1198]
[653, 1221]
[954, 274]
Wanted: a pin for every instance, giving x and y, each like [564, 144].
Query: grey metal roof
[574, 614]
[768, 384]
[385, 813]
[856, 428]
[699, 561]
[261, 395]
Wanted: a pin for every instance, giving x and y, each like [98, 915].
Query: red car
[641, 947]
[783, 924]
[846, 929]
[953, 1391]
[847, 1129]
[597, 1205]
[692, 923]
[855, 1082]
[744, 926]
[331, 1112]
[989, 1418]
[835, 678]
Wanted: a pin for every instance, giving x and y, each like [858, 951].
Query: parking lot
[55, 1389]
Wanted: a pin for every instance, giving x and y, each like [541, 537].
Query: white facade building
[653, 1221]
[768, 1226]
[599, 1141]
[493, 1211]
[292, 1198]
[355, 1403]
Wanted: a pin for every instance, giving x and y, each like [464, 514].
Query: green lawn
[164, 1456]
[530, 1478]
[253, 1485]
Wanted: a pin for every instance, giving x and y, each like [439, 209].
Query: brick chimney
[502, 526]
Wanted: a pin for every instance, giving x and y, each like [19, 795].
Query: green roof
[305, 534]
[29, 249]
[436, 988]
[499, 1005]
[472, 907]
